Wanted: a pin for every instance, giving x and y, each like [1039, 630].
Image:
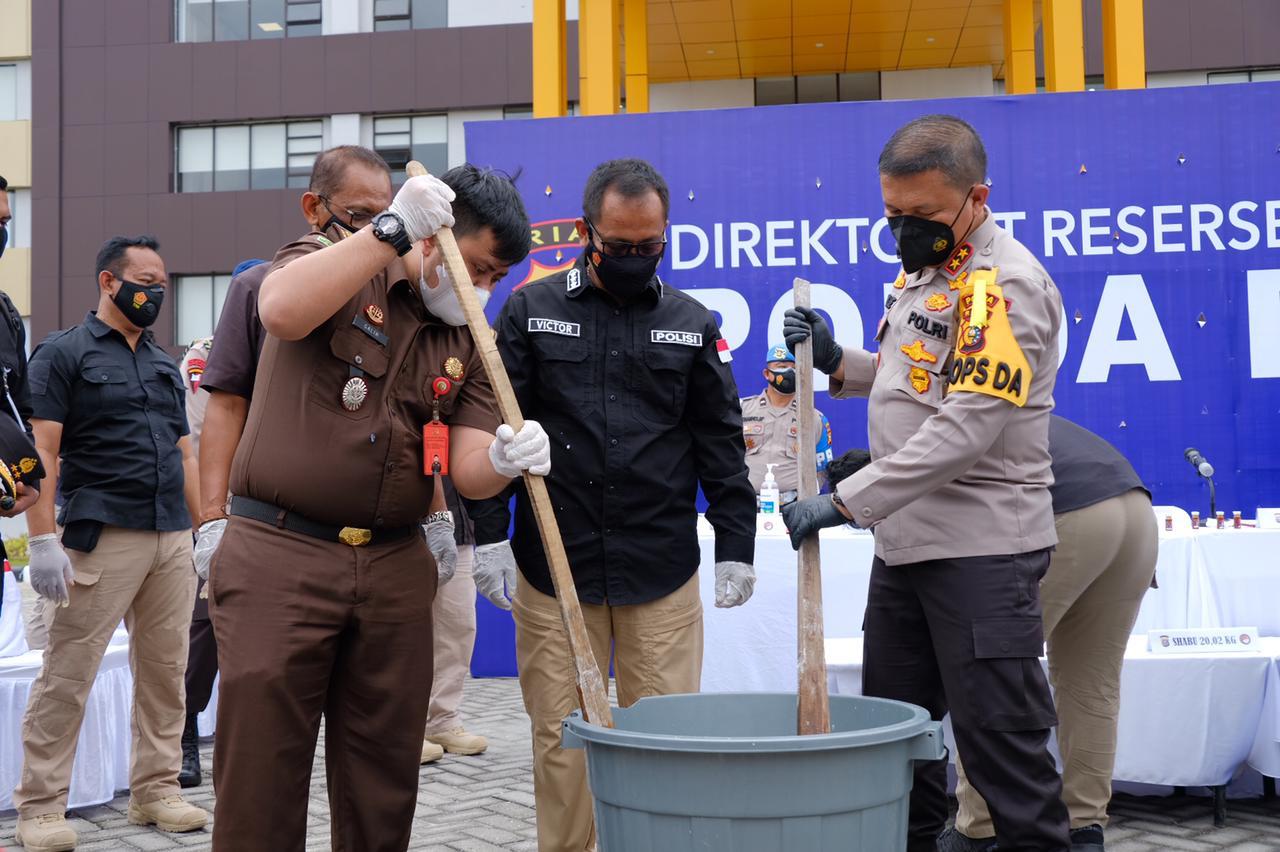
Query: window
[1252, 75]
[247, 156]
[20, 224]
[240, 20]
[199, 301]
[15, 91]
[818, 88]
[409, 14]
[402, 138]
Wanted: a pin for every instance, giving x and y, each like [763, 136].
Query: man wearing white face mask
[493, 234]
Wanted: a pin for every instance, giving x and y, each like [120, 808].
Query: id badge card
[435, 448]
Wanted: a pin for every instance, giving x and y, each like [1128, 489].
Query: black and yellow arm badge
[988, 359]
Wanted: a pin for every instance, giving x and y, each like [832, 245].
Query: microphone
[1198, 462]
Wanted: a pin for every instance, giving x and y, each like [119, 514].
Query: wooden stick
[592, 696]
[814, 710]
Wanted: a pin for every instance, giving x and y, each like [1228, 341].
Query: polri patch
[554, 326]
[682, 338]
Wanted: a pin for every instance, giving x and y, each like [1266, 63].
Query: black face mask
[341, 228]
[4, 239]
[140, 303]
[923, 242]
[783, 381]
[624, 277]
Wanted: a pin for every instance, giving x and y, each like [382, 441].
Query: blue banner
[1157, 213]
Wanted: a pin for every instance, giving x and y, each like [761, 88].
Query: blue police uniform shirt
[122, 413]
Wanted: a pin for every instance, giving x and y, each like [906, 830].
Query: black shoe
[952, 840]
[189, 776]
[1087, 839]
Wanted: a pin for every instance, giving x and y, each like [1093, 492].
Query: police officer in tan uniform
[960, 394]
[770, 427]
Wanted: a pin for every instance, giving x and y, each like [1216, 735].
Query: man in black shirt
[631, 380]
[108, 405]
[16, 404]
[1106, 557]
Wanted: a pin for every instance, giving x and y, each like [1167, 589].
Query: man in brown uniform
[958, 490]
[321, 588]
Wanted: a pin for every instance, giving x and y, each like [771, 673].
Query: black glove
[798, 324]
[805, 517]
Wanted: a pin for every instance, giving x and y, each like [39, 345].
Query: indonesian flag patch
[722, 349]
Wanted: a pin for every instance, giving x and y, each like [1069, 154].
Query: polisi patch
[683, 338]
[553, 326]
[928, 325]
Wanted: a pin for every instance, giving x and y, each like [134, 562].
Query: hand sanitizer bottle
[769, 496]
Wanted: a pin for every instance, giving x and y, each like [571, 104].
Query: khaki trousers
[307, 628]
[657, 650]
[1103, 566]
[454, 614]
[146, 578]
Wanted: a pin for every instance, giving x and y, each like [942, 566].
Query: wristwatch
[446, 516]
[389, 228]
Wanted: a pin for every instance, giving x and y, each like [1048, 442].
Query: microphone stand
[1213, 498]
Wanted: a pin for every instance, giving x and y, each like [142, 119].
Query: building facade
[198, 120]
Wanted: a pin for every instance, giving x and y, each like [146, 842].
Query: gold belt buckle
[355, 536]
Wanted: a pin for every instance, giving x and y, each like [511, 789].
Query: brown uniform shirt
[958, 418]
[303, 451]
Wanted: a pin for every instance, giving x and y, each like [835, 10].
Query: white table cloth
[1185, 720]
[102, 758]
[13, 638]
[1208, 578]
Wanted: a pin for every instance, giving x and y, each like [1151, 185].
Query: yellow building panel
[15, 152]
[930, 39]
[981, 55]
[818, 45]
[861, 42]
[925, 58]
[932, 19]
[713, 68]
[984, 16]
[877, 22]
[820, 7]
[939, 4]
[880, 6]
[711, 50]
[660, 13]
[706, 31]
[813, 64]
[666, 53]
[765, 47]
[668, 70]
[15, 278]
[821, 25]
[871, 61]
[663, 33]
[702, 11]
[744, 10]
[982, 37]
[15, 29]
[756, 28]
[766, 66]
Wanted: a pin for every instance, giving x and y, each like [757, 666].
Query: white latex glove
[735, 581]
[50, 569]
[207, 540]
[529, 449]
[423, 205]
[443, 547]
[494, 568]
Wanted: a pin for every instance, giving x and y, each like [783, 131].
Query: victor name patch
[552, 326]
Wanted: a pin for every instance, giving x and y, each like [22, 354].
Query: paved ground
[485, 803]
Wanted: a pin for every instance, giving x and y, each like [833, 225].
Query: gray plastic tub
[725, 772]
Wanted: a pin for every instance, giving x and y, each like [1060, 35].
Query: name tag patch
[552, 326]
[683, 338]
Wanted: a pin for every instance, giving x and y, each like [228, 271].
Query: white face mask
[442, 302]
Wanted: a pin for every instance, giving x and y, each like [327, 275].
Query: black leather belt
[256, 510]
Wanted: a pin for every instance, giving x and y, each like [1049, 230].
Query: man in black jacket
[631, 380]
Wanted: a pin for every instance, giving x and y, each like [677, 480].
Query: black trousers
[965, 635]
[202, 656]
